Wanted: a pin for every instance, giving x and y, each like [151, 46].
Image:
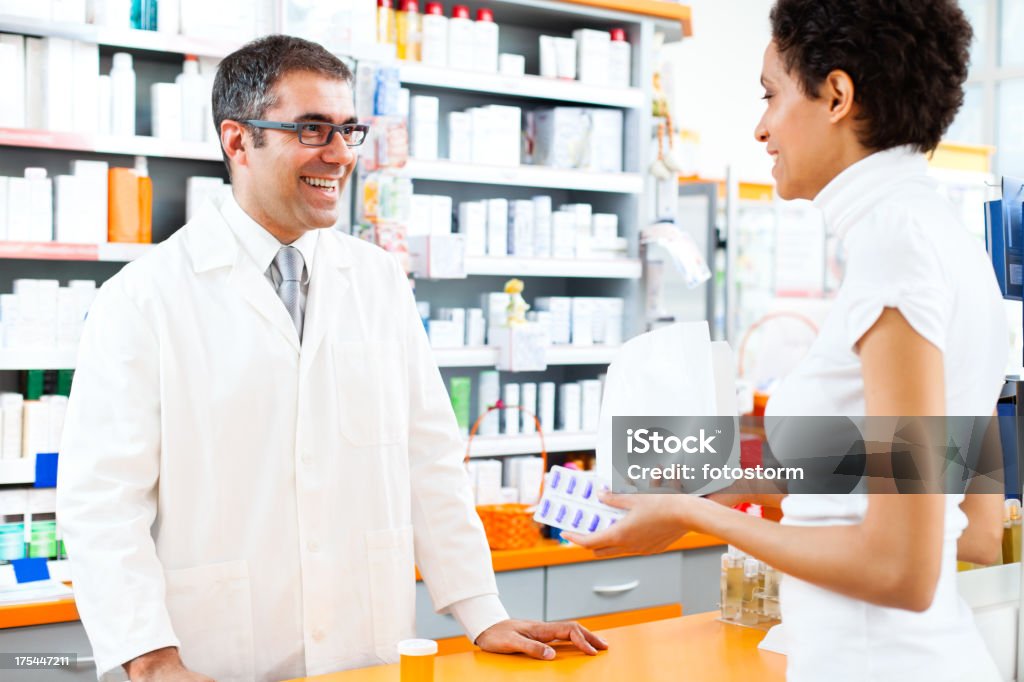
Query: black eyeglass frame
[296, 127]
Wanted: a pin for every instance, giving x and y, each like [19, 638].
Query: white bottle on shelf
[486, 32]
[621, 60]
[435, 36]
[122, 95]
[193, 100]
[461, 39]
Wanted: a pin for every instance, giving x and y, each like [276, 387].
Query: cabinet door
[701, 579]
[52, 639]
[522, 593]
[595, 587]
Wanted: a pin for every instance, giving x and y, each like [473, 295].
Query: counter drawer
[522, 593]
[587, 589]
[53, 639]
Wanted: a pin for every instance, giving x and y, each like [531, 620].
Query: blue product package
[570, 502]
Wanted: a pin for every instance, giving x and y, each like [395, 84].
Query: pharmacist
[259, 445]
[917, 327]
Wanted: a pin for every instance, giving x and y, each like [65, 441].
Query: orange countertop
[695, 648]
[40, 613]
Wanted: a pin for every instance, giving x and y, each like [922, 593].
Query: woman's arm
[982, 540]
[891, 558]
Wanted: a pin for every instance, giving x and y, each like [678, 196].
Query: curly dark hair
[907, 59]
[243, 88]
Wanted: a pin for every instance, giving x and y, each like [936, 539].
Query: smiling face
[287, 187]
[811, 139]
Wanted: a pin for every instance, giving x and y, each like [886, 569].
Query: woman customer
[857, 93]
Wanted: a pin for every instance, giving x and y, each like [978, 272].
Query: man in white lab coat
[259, 446]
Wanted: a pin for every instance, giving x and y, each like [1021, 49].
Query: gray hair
[244, 86]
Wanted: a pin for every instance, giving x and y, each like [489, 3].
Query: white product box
[458, 316]
[11, 418]
[583, 214]
[482, 131]
[528, 399]
[35, 83]
[93, 209]
[423, 127]
[166, 111]
[58, 88]
[495, 307]
[506, 143]
[606, 141]
[593, 55]
[460, 137]
[569, 407]
[604, 228]
[488, 479]
[560, 308]
[563, 234]
[583, 321]
[476, 327]
[35, 429]
[521, 348]
[590, 405]
[488, 392]
[520, 228]
[565, 56]
[510, 419]
[531, 472]
[86, 88]
[497, 227]
[70, 196]
[436, 256]
[40, 197]
[548, 57]
[12, 80]
[440, 215]
[561, 137]
[445, 334]
[3, 218]
[542, 226]
[19, 210]
[473, 226]
[512, 64]
[420, 215]
[546, 406]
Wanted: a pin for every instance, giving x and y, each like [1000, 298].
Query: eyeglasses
[316, 133]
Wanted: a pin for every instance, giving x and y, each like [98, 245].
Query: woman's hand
[653, 522]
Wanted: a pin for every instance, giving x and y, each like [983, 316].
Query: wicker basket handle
[500, 405]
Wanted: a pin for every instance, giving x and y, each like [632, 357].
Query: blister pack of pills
[570, 502]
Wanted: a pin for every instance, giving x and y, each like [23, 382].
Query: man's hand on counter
[164, 665]
[532, 638]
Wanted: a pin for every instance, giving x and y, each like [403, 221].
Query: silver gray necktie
[289, 264]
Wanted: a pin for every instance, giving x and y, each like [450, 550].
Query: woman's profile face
[796, 131]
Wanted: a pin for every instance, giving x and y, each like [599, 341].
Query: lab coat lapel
[329, 284]
[259, 293]
[211, 244]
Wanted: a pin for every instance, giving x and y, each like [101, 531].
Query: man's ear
[234, 138]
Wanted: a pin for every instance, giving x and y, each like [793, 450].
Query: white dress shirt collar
[262, 246]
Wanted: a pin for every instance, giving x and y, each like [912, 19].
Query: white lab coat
[221, 490]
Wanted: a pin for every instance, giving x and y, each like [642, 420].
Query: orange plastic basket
[510, 526]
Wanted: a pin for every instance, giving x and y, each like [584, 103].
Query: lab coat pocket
[370, 381]
[392, 573]
[211, 611]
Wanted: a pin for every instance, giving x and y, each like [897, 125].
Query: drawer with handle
[595, 587]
